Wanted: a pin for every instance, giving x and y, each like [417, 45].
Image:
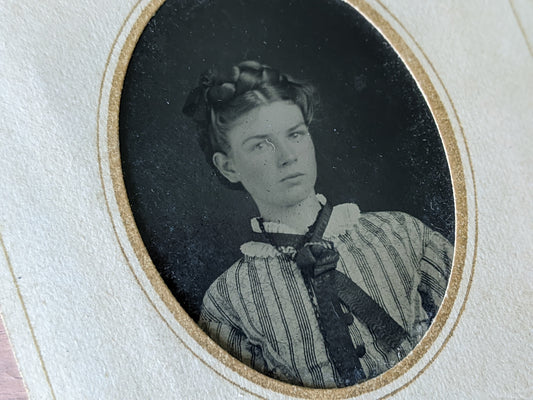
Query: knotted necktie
[317, 260]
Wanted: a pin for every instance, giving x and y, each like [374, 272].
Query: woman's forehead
[277, 117]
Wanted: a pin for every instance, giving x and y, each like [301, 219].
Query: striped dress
[261, 312]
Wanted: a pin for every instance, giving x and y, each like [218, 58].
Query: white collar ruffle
[343, 218]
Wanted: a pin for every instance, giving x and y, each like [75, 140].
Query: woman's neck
[299, 216]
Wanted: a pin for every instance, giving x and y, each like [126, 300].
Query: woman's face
[272, 155]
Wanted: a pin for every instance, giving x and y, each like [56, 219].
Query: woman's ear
[225, 166]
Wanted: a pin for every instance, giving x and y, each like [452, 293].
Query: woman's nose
[286, 153]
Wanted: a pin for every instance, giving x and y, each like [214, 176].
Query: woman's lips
[292, 176]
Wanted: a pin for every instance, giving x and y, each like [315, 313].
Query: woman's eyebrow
[264, 136]
[297, 126]
[254, 137]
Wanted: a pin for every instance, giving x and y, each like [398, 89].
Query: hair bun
[248, 80]
[220, 93]
[215, 88]
[270, 75]
[235, 72]
[250, 64]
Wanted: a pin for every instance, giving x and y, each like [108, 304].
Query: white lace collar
[343, 217]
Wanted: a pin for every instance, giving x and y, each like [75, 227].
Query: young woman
[324, 296]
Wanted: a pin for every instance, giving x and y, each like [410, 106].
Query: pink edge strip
[11, 384]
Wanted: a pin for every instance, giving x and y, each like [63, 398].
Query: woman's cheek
[264, 160]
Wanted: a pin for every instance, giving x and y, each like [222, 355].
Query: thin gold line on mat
[522, 30]
[186, 322]
[147, 12]
[26, 315]
[469, 157]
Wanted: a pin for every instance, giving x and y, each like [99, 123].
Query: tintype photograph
[290, 184]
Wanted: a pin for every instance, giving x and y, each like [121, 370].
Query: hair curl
[222, 98]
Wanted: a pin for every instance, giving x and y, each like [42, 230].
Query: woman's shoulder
[388, 226]
[348, 216]
[228, 277]
[254, 254]
[223, 292]
[395, 219]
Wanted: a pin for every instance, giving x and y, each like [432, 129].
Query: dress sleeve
[435, 266]
[220, 322]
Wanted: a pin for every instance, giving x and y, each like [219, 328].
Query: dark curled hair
[221, 99]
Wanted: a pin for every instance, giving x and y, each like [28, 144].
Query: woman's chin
[296, 196]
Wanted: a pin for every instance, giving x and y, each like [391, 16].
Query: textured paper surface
[80, 322]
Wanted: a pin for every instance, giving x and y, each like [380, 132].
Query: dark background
[377, 144]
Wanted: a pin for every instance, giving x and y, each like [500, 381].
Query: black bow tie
[317, 260]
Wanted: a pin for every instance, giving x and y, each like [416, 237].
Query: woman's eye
[297, 134]
[259, 146]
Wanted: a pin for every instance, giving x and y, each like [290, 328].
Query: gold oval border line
[447, 135]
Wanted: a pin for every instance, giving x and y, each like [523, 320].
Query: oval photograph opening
[289, 183]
